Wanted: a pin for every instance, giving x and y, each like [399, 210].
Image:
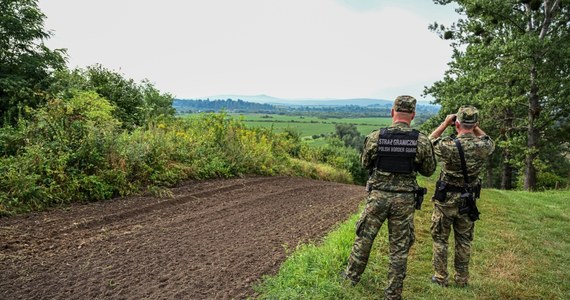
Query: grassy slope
[521, 251]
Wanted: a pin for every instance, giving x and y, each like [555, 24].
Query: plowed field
[211, 240]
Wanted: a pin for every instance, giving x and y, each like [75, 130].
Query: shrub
[59, 154]
[335, 154]
[75, 150]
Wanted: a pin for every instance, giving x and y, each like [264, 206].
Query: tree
[25, 62]
[350, 135]
[156, 103]
[136, 103]
[511, 58]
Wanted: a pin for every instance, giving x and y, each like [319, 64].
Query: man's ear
[413, 115]
[392, 113]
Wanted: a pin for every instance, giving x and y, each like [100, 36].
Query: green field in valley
[521, 250]
[309, 126]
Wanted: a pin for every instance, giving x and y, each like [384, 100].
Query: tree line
[198, 105]
[511, 59]
[423, 112]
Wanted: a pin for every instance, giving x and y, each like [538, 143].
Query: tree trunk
[550, 8]
[490, 177]
[507, 174]
[532, 133]
[507, 171]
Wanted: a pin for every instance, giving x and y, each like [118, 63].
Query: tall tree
[25, 62]
[136, 103]
[511, 58]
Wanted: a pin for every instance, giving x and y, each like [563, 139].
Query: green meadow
[307, 126]
[521, 250]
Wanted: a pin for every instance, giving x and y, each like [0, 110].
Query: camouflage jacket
[385, 181]
[476, 149]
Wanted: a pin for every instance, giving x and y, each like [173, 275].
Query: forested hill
[382, 110]
[182, 106]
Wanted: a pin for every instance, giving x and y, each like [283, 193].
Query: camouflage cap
[468, 114]
[405, 103]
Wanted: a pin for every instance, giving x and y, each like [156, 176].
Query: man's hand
[449, 121]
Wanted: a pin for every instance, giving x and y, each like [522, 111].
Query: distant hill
[339, 108]
[254, 98]
[336, 102]
[186, 105]
[305, 101]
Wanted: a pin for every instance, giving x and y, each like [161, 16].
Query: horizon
[298, 101]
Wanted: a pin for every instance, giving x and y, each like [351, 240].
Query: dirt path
[212, 240]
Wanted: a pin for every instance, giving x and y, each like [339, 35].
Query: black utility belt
[448, 178]
[454, 188]
[394, 191]
[442, 188]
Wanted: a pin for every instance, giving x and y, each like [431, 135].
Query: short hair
[467, 126]
[404, 114]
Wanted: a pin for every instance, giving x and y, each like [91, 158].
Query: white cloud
[293, 48]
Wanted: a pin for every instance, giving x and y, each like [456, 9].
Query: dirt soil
[211, 240]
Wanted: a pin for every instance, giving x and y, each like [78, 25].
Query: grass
[308, 126]
[521, 250]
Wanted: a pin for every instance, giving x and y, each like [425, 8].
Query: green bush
[548, 180]
[58, 154]
[336, 154]
[135, 103]
[75, 150]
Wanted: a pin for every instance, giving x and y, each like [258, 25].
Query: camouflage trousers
[443, 218]
[398, 208]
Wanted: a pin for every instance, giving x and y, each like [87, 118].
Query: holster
[477, 191]
[440, 191]
[420, 197]
[469, 203]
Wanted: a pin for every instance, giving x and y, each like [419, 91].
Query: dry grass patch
[507, 266]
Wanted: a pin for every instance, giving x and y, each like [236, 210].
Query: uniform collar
[467, 135]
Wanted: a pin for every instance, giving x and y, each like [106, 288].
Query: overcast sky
[285, 49]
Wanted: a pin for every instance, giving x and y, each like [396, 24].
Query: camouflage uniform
[391, 197]
[446, 214]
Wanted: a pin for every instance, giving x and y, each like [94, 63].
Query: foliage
[136, 103]
[511, 59]
[188, 106]
[75, 150]
[336, 154]
[350, 135]
[60, 155]
[155, 103]
[25, 62]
